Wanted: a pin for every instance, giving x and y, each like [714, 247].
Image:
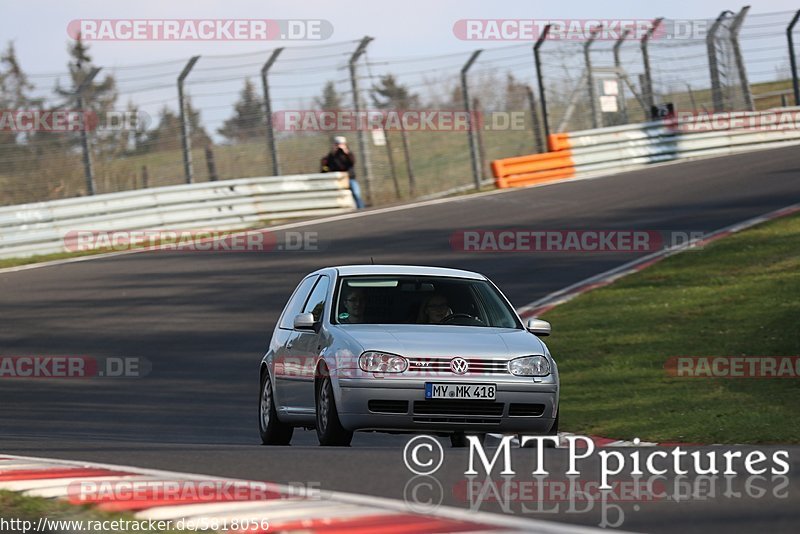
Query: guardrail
[634, 146]
[40, 228]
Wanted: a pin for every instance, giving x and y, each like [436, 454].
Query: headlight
[382, 362]
[529, 366]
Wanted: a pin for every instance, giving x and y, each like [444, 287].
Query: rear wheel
[272, 431]
[330, 431]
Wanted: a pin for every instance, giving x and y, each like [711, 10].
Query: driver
[434, 310]
[353, 302]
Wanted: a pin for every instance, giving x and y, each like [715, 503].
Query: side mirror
[539, 327]
[304, 321]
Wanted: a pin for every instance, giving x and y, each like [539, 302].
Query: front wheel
[330, 431]
[272, 431]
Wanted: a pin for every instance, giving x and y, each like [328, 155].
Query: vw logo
[459, 366]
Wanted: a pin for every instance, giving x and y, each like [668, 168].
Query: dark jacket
[337, 161]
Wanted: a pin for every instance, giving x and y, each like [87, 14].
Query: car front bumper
[519, 407]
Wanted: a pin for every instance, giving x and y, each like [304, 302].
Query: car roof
[409, 270]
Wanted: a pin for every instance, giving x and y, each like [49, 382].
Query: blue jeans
[356, 190]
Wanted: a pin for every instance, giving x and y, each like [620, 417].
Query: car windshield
[421, 300]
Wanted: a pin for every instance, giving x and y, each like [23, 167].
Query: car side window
[295, 303]
[316, 302]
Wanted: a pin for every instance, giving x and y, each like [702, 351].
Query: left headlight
[529, 366]
[382, 362]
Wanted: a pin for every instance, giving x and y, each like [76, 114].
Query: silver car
[396, 348]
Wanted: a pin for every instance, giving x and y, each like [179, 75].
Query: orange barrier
[559, 141]
[526, 170]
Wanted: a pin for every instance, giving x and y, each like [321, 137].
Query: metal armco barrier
[634, 146]
[39, 228]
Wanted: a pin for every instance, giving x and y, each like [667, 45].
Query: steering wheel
[453, 316]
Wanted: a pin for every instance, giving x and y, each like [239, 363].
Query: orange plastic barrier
[526, 170]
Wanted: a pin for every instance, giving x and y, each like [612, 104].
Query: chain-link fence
[217, 117]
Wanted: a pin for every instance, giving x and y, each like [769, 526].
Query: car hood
[420, 341]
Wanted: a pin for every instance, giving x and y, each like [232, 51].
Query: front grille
[477, 366]
[388, 406]
[529, 410]
[457, 420]
[458, 407]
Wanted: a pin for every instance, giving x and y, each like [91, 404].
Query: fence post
[212, 167]
[186, 138]
[145, 177]
[587, 58]
[537, 128]
[273, 150]
[412, 180]
[793, 58]
[713, 65]
[476, 108]
[363, 143]
[540, 79]
[390, 156]
[88, 168]
[737, 53]
[473, 145]
[623, 107]
[649, 97]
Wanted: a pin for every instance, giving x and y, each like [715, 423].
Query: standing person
[341, 159]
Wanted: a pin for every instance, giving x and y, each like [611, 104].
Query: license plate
[460, 391]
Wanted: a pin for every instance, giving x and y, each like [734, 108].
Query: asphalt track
[204, 320]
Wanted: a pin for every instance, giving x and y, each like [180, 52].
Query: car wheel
[272, 431]
[330, 431]
[547, 444]
[459, 439]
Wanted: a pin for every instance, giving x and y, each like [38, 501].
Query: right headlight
[382, 362]
[529, 366]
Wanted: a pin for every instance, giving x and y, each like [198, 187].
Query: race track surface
[204, 320]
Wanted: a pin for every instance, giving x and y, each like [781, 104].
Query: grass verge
[738, 296]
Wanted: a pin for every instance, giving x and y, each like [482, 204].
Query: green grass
[738, 296]
[16, 506]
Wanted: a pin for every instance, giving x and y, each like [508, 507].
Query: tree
[167, 135]
[391, 95]
[330, 99]
[100, 97]
[15, 148]
[248, 120]
[516, 97]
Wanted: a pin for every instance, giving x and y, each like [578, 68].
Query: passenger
[434, 310]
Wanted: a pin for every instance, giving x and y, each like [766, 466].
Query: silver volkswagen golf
[396, 348]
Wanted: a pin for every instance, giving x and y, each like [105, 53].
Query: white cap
[339, 140]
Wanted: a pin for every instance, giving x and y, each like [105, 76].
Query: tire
[330, 431]
[548, 444]
[272, 431]
[459, 439]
